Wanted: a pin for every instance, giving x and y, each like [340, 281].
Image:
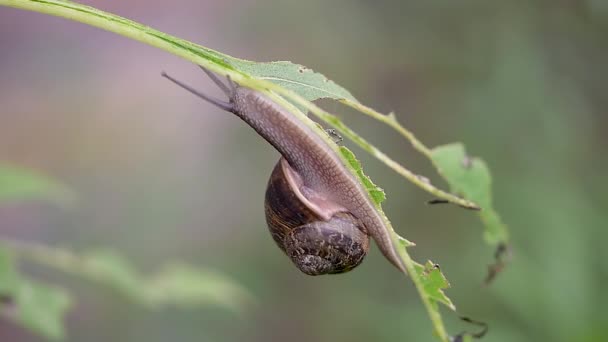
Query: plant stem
[392, 122]
[432, 311]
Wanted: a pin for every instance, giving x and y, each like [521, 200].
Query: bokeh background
[161, 175]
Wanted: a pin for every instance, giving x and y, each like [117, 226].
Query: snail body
[316, 211]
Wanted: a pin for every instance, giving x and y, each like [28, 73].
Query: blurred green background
[160, 175]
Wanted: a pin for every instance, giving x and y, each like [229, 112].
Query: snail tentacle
[228, 106]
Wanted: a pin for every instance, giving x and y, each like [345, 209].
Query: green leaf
[434, 283]
[175, 284]
[185, 286]
[20, 184]
[470, 177]
[42, 308]
[297, 78]
[109, 268]
[375, 192]
[38, 307]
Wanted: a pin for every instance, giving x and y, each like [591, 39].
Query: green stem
[198, 54]
[391, 120]
[432, 311]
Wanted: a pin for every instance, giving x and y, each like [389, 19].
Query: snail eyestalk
[227, 106]
[219, 83]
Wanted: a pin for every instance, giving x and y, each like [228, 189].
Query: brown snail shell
[315, 245]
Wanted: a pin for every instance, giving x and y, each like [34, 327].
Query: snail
[316, 211]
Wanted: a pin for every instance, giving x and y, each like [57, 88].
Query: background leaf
[175, 284]
[303, 81]
[469, 177]
[183, 285]
[36, 306]
[21, 184]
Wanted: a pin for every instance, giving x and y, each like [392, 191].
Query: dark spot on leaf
[477, 335]
[438, 201]
[502, 256]
[333, 134]
[442, 201]
[430, 268]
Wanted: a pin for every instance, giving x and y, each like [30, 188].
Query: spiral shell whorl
[316, 246]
